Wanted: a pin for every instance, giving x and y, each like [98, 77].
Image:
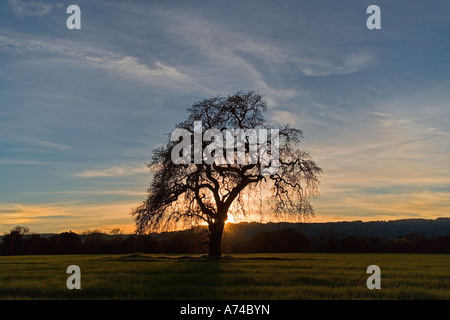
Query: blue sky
[81, 110]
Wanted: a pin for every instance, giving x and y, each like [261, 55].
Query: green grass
[240, 276]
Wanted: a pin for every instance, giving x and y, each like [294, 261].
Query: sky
[82, 110]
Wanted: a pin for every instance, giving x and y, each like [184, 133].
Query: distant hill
[382, 229]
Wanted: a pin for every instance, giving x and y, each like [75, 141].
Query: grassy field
[241, 276]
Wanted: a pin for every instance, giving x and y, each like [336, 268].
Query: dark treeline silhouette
[20, 242]
[289, 240]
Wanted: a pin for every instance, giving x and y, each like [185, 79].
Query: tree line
[195, 241]
[328, 241]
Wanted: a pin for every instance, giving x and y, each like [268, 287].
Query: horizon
[82, 110]
[122, 233]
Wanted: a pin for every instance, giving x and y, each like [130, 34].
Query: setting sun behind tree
[197, 189]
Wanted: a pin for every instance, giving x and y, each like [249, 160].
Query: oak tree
[206, 188]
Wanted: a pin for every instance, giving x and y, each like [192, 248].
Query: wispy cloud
[233, 58]
[126, 66]
[400, 155]
[21, 162]
[113, 171]
[387, 120]
[345, 64]
[159, 75]
[51, 145]
[131, 193]
[30, 8]
[60, 217]
[237, 49]
[421, 203]
[14, 213]
[284, 117]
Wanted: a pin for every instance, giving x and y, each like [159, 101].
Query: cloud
[227, 58]
[391, 121]
[52, 145]
[15, 44]
[113, 171]
[421, 203]
[238, 49]
[64, 216]
[19, 214]
[131, 193]
[284, 117]
[160, 75]
[29, 8]
[21, 162]
[401, 155]
[126, 66]
[346, 63]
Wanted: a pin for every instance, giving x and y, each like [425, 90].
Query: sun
[230, 219]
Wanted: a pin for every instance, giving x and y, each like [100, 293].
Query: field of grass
[240, 276]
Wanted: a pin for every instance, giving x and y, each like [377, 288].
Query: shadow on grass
[205, 258]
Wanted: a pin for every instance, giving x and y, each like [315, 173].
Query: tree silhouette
[12, 242]
[205, 187]
[66, 242]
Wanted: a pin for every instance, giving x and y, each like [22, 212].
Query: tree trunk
[215, 238]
